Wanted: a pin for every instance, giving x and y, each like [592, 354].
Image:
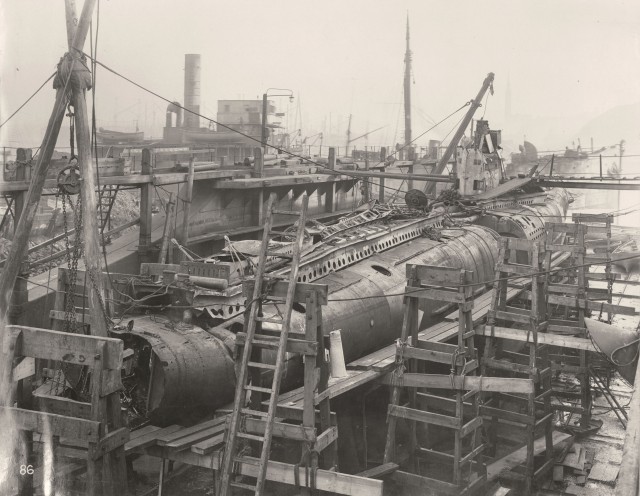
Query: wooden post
[258, 162]
[381, 191]
[366, 182]
[166, 233]
[90, 231]
[146, 200]
[24, 226]
[186, 207]
[331, 187]
[551, 169]
[601, 166]
[411, 157]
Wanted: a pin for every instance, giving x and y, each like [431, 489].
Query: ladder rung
[251, 437]
[257, 413]
[242, 485]
[258, 389]
[273, 345]
[247, 460]
[286, 212]
[270, 320]
[258, 365]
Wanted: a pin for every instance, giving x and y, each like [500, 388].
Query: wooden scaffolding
[95, 428]
[530, 412]
[570, 292]
[425, 391]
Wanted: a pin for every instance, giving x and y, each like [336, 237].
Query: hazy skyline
[566, 62]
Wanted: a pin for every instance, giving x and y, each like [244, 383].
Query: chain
[73, 255]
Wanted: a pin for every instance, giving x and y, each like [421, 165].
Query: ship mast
[407, 91]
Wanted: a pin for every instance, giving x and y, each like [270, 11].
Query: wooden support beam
[146, 201]
[55, 425]
[326, 480]
[67, 347]
[90, 231]
[543, 337]
[499, 384]
[186, 207]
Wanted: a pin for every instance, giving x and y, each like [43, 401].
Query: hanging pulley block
[69, 179]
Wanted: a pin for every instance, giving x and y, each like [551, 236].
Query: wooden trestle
[530, 411]
[449, 285]
[95, 428]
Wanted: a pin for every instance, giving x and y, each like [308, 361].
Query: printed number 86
[26, 469]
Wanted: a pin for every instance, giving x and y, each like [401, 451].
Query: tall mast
[407, 91]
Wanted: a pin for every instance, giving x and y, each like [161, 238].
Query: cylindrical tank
[192, 90]
[187, 370]
[366, 299]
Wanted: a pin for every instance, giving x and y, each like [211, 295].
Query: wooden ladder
[599, 228]
[106, 200]
[246, 365]
[529, 411]
[461, 412]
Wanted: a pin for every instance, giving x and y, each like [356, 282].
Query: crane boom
[488, 83]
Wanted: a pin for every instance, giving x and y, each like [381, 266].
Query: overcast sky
[567, 60]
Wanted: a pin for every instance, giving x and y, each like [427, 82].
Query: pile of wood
[578, 466]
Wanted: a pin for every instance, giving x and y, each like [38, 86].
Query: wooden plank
[63, 406]
[187, 441]
[590, 305]
[111, 441]
[26, 368]
[278, 289]
[281, 429]
[55, 425]
[543, 338]
[326, 480]
[168, 437]
[368, 361]
[520, 418]
[499, 384]
[67, 347]
[604, 472]
[518, 456]
[380, 470]
[436, 274]
[525, 270]
[140, 442]
[426, 417]
[471, 426]
[428, 485]
[326, 438]
[435, 294]
[208, 445]
[432, 356]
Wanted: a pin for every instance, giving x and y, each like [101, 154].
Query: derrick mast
[407, 91]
